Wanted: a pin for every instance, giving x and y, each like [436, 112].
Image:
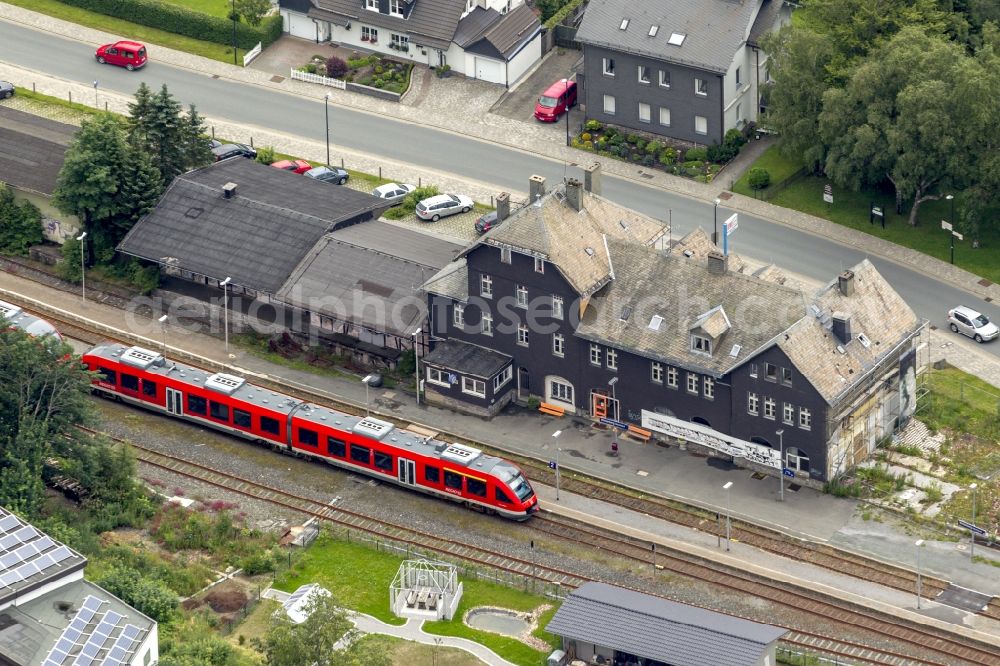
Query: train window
[452, 480]
[241, 418]
[149, 388]
[383, 461]
[360, 454]
[308, 437]
[475, 487]
[130, 382]
[218, 410]
[109, 376]
[336, 447]
[197, 405]
[267, 424]
[501, 496]
[432, 474]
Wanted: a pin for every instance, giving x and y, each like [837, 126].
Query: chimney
[842, 327]
[592, 178]
[229, 190]
[846, 282]
[574, 194]
[718, 263]
[503, 206]
[536, 188]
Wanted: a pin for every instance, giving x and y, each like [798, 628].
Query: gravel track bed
[362, 494]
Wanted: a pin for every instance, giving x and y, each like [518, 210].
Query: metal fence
[316, 78]
[796, 658]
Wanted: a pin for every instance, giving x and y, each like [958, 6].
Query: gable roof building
[598, 619]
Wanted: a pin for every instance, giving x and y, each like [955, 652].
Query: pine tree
[196, 150]
[165, 132]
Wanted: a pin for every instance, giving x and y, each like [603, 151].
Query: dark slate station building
[589, 307]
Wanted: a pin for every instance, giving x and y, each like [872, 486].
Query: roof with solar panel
[98, 634]
[29, 558]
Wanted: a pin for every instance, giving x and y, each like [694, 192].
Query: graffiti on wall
[694, 432]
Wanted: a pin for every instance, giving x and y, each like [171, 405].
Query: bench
[422, 599]
[411, 599]
[640, 434]
[551, 410]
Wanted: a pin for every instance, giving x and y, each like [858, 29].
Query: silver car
[443, 205]
[971, 323]
[6, 89]
[393, 193]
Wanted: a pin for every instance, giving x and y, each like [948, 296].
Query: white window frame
[738, 77]
[701, 87]
[644, 69]
[805, 418]
[611, 359]
[395, 8]
[557, 307]
[522, 335]
[609, 109]
[647, 116]
[754, 370]
[539, 265]
[608, 66]
[770, 372]
[486, 324]
[558, 345]
[708, 388]
[565, 394]
[485, 286]
[788, 413]
[769, 408]
[664, 78]
[595, 355]
[692, 383]
[656, 372]
[458, 315]
[521, 295]
[700, 121]
[662, 110]
[475, 384]
[786, 376]
[701, 344]
[371, 5]
[671, 376]
[500, 380]
[753, 404]
[505, 255]
[370, 33]
[437, 376]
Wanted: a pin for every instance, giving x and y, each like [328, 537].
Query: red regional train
[30, 324]
[368, 445]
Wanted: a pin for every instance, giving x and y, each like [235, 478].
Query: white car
[393, 193]
[443, 205]
[971, 323]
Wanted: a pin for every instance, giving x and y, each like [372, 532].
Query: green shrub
[640, 144]
[378, 83]
[593, 126]
[723, 153]
[668, 156]
[586, 136]
[311, 68]
[758, 178]
[20, 223]
[379, 69]
[563, 12]
[632, 138]
[533, 403]
[734, 137]
[610, 132]
[654, 147]
[262, 561]
[265, 155]
[616, 139]
[693, 164]
[145, 278]
[648, 160]
[357, 63]
[184, 21]
[588, 145]
[702, 178]
[396, 213]
[620, 150]
[693, 154]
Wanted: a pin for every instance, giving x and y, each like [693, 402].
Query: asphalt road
[794, 250]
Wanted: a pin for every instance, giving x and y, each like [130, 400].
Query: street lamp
[715, 232]
[614, 429]
[83, 267]
[729, 484]
[163, 327]
[555, 436]
[416, 363]
[781, 463]
[568, 142]
[972, 533]
[919, 544]
[326, 110]
[951, 200]
[225, 309]
[367, 379]
[235, 17]
[96, 102]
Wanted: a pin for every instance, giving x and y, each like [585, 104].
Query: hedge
[184, 21]
[558, 17]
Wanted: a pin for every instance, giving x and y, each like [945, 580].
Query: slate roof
[429, 23]
[257, 237]
[574, 241]
[296, 5]
[714, 29]
[30, 558]
[32, 150]
[697, 244]
[469, 359]
[772, 13]
[652, 284]
[452, 281]
[876, 311]
[656, 628]
[488, 32]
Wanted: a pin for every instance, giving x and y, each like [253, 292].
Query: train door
[174, 402]
[407, 471]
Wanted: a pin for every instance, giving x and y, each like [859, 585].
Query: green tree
[253, 11]
[20, 223]
[147, 595]
[174, 141]
[315, 640]
[758, 178]
[197, 152]
[70, 268]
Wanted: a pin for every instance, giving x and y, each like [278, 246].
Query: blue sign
[552, 464]
[621, 425]
[972, 528]
[787, 472]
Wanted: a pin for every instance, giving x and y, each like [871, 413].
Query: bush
[616, 139]
[654, 147]
[758, 178]
[335, 67]
[620, 150]
[183, 21]
[379, 69]
[723, 153]
[257, 563]
[533, 403]
[588, 145]
[311, 68]
[693, 154]
[734, 137]
[69, 267]
[378, 83]
[640, 144]
[668, 156]
[413, 198]
[593, 126]
[632, 138]
[694, 164]
[586, 136]
[20, 223]
[610, 132]
[265, 154]
[648, 160]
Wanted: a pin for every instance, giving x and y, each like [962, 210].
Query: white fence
[252, 53]
[316, 78]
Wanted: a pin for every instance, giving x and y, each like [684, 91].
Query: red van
[556, 100]
[130, 55]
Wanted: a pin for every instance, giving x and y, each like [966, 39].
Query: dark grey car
[6, 89]
[228, 150]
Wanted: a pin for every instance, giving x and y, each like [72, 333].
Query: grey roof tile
[451, 281]
[32, 150]
[467, 358]
[506, 34]
[714, 29]
[429, 23]
[660, 629]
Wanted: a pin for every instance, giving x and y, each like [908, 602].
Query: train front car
[516, 483]
[30, 324]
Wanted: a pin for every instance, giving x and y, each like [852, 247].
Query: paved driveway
[280, 57]
[519, 103]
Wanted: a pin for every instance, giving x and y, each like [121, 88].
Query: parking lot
[519, 103]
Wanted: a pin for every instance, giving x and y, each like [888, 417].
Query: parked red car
[130, 55]
[556, 100]
[295, 166]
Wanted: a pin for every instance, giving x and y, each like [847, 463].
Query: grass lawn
[212, 7]
[851, 209]
[132, 30]
[418, 654]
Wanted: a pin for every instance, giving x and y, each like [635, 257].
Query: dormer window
[396, 7]
[372, 5]
[701, 344]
